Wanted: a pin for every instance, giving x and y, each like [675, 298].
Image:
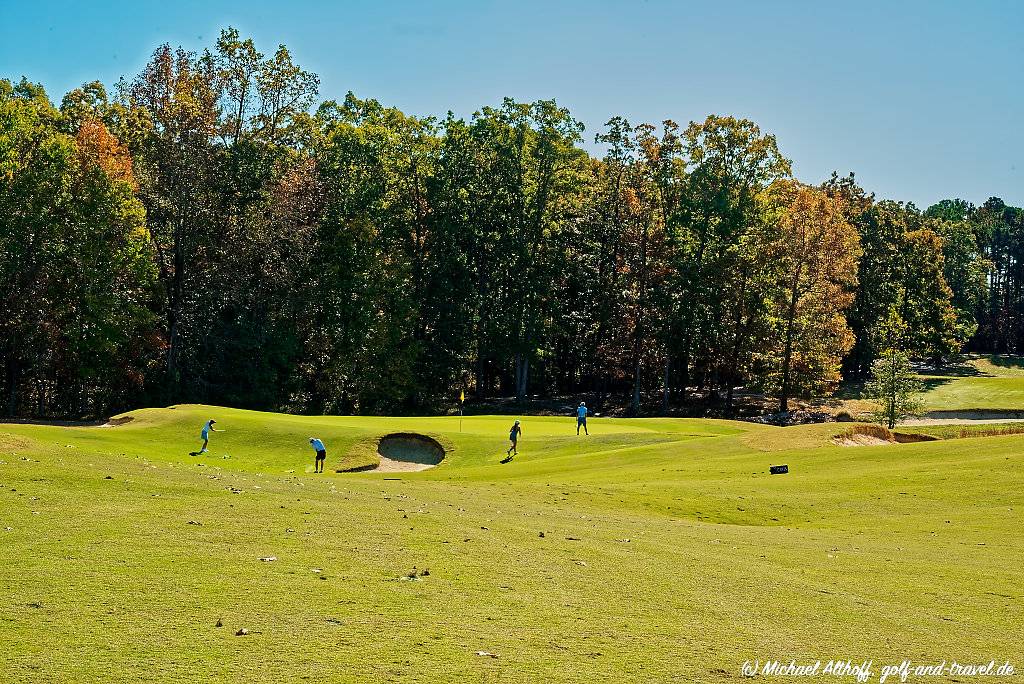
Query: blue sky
[923, 100]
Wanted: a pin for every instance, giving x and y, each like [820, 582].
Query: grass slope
[668, 552]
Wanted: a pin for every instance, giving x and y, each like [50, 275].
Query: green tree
[730, 164]
[523, 174]
[966, 271]
[927, 300]
[999, 230]
[176, 97]
[76, 270]
[903, 267]
[895, 386]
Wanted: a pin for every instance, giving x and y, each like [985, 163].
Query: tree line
[211, 231]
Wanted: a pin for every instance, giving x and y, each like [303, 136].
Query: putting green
[653, 550]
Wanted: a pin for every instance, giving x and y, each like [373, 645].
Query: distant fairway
[984, 383]
[668, 552]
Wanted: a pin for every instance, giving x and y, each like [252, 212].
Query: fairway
[653, 550]
[983, 382]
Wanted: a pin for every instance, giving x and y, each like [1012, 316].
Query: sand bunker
[860, 440]
[876, 435]
[118, 420]
[408, 452]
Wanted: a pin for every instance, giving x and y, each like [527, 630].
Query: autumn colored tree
[816, 253]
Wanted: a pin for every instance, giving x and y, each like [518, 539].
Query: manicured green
[668, 551]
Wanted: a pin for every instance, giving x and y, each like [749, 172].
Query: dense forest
[211, 231]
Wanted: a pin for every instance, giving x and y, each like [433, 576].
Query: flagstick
[462, 400]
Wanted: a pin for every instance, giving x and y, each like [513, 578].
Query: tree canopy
[211, 231]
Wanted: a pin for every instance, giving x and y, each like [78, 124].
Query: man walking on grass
[581, 419]
[321, 454]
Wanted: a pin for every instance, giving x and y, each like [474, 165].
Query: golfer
[207, 429]
[321, 454]
[513, 436]
[581, 419]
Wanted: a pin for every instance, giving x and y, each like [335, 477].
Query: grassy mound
[652, 550]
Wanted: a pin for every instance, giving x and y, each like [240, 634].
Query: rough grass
[669, 553]
[969, 431]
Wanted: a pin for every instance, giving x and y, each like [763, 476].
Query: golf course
[652, 550]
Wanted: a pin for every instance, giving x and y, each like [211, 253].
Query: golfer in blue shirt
[205, 434]
[581, 419]
[321, 454]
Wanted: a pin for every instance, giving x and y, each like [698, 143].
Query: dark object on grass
[242, 632]
[219, 624]
[507, 460]
[779, 469]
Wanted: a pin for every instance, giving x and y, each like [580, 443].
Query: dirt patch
[10, 444]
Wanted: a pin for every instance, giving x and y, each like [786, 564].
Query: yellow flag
[462, 396]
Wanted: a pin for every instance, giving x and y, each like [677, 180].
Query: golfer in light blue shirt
[321, 454]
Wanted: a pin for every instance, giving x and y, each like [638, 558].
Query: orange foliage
[97, 146]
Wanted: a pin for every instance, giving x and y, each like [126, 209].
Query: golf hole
[406, 452]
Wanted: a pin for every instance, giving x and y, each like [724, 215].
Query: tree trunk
[787, 356]
[786, 361]
[12, 386]
[667, 391]
[174, 308]
[634, 406]
[731, 374]
[522, 374]
[481, 384]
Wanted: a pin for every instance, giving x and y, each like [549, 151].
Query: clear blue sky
[923, 100]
